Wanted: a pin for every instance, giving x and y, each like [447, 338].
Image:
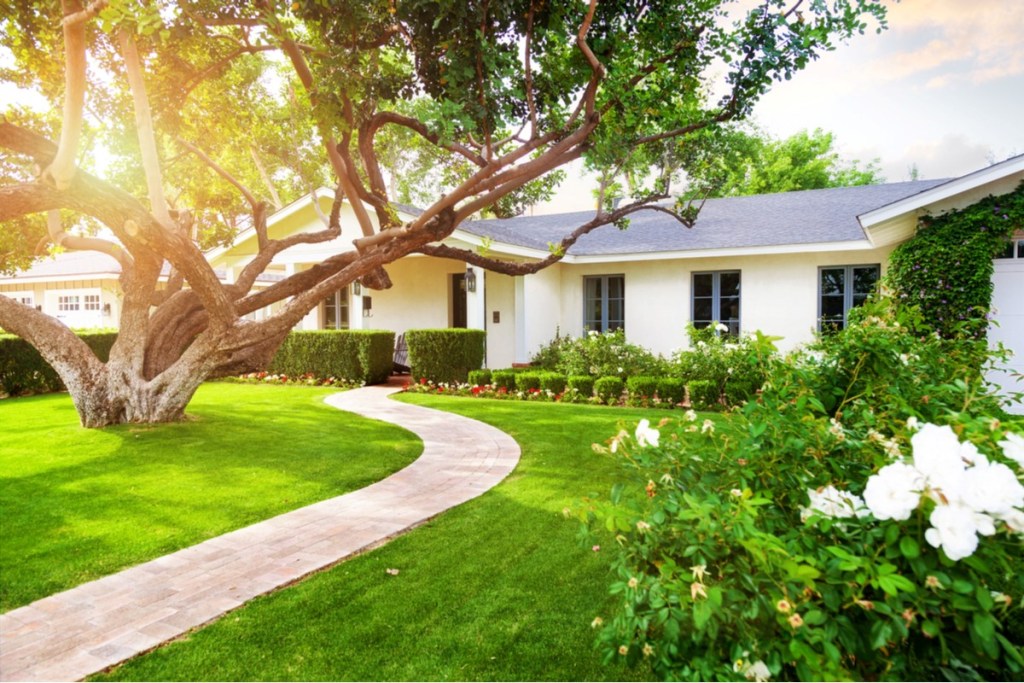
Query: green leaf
[909, 547]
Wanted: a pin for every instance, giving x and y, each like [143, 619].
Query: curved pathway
[86, 629]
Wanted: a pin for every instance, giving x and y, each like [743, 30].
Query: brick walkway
[86, 629]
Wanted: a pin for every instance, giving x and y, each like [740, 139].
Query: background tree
[735, 160]
[202, 102]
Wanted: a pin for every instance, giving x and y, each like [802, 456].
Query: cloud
[949, 156]
[974, 42]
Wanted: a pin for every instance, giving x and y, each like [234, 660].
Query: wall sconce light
[470, 279]
[357, 288]
[367, 307]
[106, 309]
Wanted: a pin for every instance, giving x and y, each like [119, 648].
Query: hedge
[480, 378]
[358, 355]
[671, 389]
[504, 379]
[553, 382]
[583, 384]
[609, 389]
[528, 381]
[445, 355]
[704, 394]
[23, 370]
[641, 387]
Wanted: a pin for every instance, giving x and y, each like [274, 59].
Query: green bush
[704, 394]
[549, 356]
[719, 359]
[829, 530]
[357, 355]
[445, 355]
[609, 389]
[641, 387]
[23, 370]
[583, 384]
[738, 392]
[528, 381]
[480, 378]
[553, 382]
[672, 390]
[601, 355]
[504, 379]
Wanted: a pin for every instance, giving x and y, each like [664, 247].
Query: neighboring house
[778, 263]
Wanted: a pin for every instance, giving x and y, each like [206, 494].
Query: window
[27, 300]
[716, 299]
[840, 288]
[1014, 250]
[336, 310]
[92, 302]
[604, 303]
[69, 302]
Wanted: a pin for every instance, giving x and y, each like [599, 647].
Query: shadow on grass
[78, 504]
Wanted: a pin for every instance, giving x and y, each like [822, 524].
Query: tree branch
[60, 238]
[62, 168]
[144, 130]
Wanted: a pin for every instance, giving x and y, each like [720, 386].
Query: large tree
[207, 107]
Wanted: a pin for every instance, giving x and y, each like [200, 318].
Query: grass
[77, 504]
[499, 588]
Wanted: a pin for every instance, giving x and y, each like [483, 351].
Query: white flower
[992, 488]
[1015, 520]
[1013, 448]
[707, 427]
[836, 429]
[912, 424]
[758, 671]
[939, 457]
[954, 529]
[831, 502]
[719, 327]
[646, 435]
[894, 492]
[690, 416]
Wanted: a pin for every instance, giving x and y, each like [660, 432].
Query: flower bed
[307, 379]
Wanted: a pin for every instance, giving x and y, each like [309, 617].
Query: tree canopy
[173, 123]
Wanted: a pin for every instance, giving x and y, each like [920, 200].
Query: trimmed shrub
[600, 355]
[445, 355]
[480, 378]
[672, 390]
[528, 381]
[504, 379]
[583, 384]
[23, 370]
[358, 355]
[738, 392]
[553, 382]
[704, 394]
[609, 389]
[641, 387]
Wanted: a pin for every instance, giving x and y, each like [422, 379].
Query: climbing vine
[946, 268]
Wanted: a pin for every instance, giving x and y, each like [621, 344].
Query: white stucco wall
[501, 336]
[419, 298]
[1008, 309]
[779, 296]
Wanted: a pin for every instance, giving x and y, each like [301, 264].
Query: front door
[459, 300]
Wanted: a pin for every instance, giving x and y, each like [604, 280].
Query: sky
[941, 89]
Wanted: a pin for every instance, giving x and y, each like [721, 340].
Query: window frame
[716, 299]
[848, 293]
[605, 321]
[340, 300]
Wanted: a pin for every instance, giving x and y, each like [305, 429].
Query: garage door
[1008, 302]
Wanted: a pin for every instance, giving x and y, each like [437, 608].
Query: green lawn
[497, 589]
[77, 504]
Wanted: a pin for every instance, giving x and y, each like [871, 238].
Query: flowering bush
[307, 379]
[599, 355]
[862, 519]
[722, 366]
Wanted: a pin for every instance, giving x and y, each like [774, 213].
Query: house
[778, 263]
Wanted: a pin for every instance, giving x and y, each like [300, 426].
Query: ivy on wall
[946, 268]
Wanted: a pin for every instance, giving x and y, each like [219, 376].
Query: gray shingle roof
[789, 218]
[80, 265]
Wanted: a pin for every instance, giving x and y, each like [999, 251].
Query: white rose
[894, 492]
[992, 488]
[646, 435]
[1013, 448]
[954, 529]
[937, 456]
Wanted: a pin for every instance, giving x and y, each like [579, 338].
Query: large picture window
[716, 299]
[336, 310]
[840, 288]
[604, 303]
